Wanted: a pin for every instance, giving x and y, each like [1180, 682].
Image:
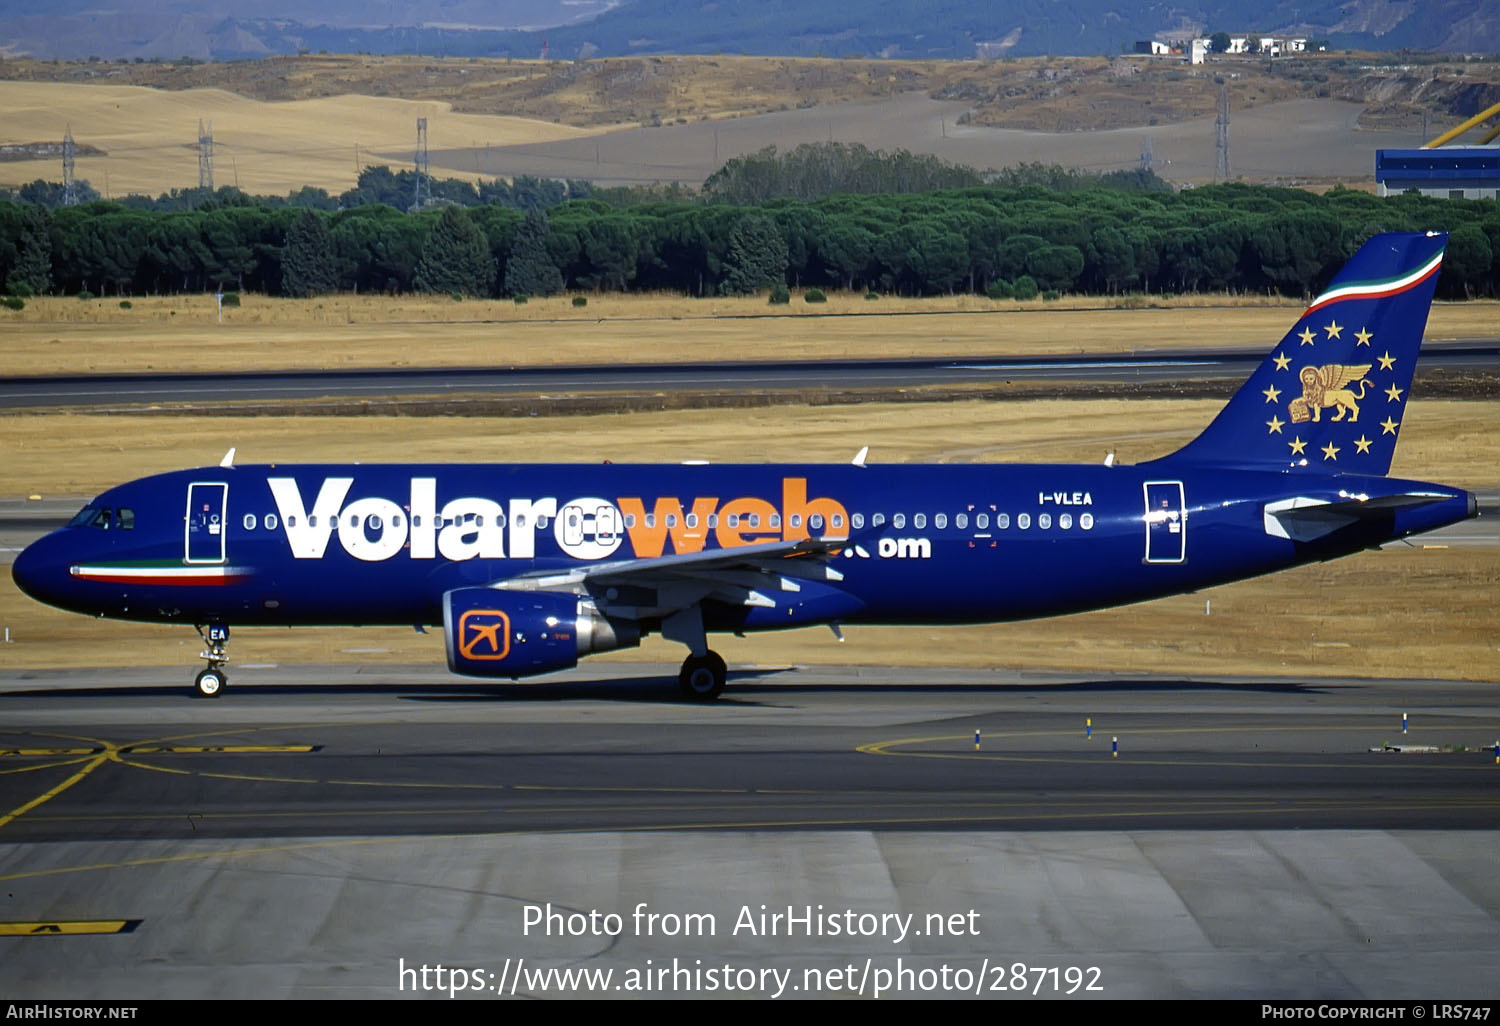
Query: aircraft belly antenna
[228, 460]
[859, 457]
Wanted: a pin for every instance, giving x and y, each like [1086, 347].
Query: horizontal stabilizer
[1307, 519]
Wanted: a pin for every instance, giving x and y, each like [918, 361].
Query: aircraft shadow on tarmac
[748, 687]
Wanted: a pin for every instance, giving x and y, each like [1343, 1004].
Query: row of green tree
[806, 172]
[1228, 237]
[814, 170]
[376, 184]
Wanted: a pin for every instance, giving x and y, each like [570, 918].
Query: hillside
[1051, 95]
[1017, 28]
[142, 140]
[946, 29]
[284, 122]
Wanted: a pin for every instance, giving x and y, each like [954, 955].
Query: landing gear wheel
[702, 677]
[210, 683]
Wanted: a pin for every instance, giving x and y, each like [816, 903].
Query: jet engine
[493, 632]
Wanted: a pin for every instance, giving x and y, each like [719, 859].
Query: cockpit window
[105, 518]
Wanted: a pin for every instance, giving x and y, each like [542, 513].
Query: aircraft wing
[746, 575]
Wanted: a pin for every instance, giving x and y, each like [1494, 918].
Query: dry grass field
[1418, 612]
[150, 136]
[180, 333]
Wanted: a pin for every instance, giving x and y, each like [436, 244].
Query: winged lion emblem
[1325, 387]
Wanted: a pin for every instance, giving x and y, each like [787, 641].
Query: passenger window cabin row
[918, 521]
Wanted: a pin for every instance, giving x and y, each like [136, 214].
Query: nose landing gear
[210, 683]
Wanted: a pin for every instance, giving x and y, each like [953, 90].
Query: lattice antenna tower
[1147, 161]
[1221, 170]
[70, 190]
[205, 154]
[423, 195]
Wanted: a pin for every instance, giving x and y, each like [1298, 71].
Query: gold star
[1362, 443]
[1271, 394]
[1393, 394]
[1307, 336]
[1331, 452]
[1363, 336]
[1333, 329]
[1387, 361]
[1282, 361]
[1274, 424]
[1297, 445]
[1388, 426]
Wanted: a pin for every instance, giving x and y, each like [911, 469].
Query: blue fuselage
[382, 544]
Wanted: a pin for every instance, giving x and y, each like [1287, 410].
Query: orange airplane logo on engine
[484, 634]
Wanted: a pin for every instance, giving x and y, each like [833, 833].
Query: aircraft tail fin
[1331, 396]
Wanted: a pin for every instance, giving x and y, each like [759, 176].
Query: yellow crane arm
[1454, 133]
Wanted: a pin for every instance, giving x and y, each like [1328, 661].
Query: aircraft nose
[35, 571]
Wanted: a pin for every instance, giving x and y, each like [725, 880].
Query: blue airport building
[1449, 172]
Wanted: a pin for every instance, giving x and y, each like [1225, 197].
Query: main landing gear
[702, 677]
[703, 672]
[210, 683]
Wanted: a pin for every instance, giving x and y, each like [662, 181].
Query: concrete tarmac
[317, 830]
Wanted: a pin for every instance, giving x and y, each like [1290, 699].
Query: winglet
[228, 460]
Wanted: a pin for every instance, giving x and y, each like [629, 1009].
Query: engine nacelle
[494, 632]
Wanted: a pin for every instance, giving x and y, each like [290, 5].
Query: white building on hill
[1273, 46]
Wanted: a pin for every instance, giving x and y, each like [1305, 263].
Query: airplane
[528, 567]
